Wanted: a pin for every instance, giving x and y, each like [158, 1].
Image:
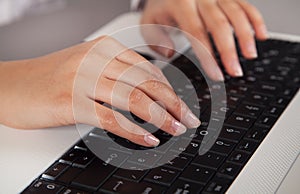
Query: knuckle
[136, 97]
[153, 84]
[222, 22]
[177, 104]
[224, 2]
[107, 120]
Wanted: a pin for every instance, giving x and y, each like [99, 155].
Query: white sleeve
[137, 5]
[11, 10]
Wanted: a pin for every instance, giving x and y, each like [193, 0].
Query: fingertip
[151, 140]
[234, 69]
[262, 32]
[164, 51]
[192, 121]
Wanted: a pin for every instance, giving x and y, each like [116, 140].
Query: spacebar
[94, 175]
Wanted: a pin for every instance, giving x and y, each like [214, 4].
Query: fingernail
[151, 140]
[192, 120]
[251, 49]
[178, 128]
[238, 72]
[219, 76]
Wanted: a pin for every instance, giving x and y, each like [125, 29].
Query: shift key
[94, 175]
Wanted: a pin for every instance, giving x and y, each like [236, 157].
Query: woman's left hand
[217, 17]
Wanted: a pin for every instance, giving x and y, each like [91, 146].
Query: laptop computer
[272, 167]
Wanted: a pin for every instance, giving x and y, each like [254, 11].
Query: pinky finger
[255, 18]
[118, 124]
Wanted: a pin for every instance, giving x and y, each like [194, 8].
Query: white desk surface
[18, 41]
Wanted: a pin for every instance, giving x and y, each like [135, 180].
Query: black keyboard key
[273, 111]
[101, 134]
[113, 157]
[280, 102]
[81, 146]
[197, 174]
[71, 156]
[223, 147]
[232, 134]
[115, 185]
[247, 146]
[209, 160]
[238, 157]
[249, 110]
[229, 170]
[240, 121]
[132, 175]
[186, 147]
[289, 92]
[146, 158]
[266, 121]
[248, 80]
[69, 175]
[132, 166]
[162, 176]
[73, 191]
[217, 185]
[94, 175]
[231, 101]
[267, 89]
[184, 187]
[238, 90]
[258, 99]
[54, 171]
[175, 160]
[40, 186]
[84, 160]
[197, 136]
[257, 133]
[220, 111]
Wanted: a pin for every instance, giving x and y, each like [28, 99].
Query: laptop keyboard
[253, 104]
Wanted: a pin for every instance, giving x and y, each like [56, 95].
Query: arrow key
[115, 185]
[229, 170]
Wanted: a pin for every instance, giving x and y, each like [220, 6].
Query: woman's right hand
[65, 88]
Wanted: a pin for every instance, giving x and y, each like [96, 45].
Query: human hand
[41, 92]
[217, 17]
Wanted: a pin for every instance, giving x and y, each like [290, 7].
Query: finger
[222, 34]
[111, 49]
[132, 58]
[131, 99]
[255, 18]
[155, 89]
[241, 25]
[157, 38]
[116, 123]
[192, 24]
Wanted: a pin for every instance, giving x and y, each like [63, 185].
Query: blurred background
[68, 23]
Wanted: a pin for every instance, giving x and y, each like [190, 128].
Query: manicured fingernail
[178, 127]
[251, 49]
[238, 72]
[219, 76]
[192, 120]
[151, 140]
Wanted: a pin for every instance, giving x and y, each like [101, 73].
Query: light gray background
[36, 35]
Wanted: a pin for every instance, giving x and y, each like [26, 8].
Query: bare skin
[217, 17]
[39, 92]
